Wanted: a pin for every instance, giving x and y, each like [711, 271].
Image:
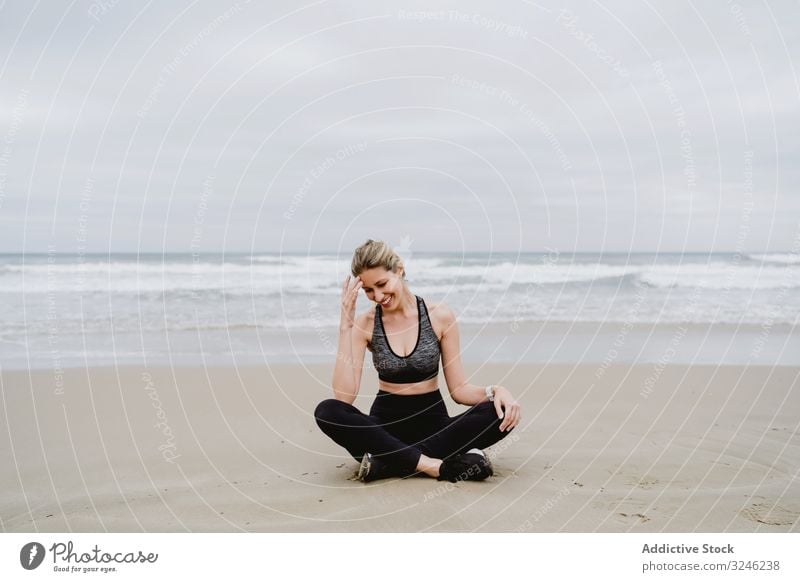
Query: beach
[210, 209]
[175, 393]
[602, 447]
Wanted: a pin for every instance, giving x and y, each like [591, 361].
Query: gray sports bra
[423, 361]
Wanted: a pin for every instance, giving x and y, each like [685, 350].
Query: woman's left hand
[507, 408]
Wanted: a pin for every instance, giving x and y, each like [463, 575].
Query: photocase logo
[31, 555]
[404, 248]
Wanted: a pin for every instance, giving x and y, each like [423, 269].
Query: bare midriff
[412, 389]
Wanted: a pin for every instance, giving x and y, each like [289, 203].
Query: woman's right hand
[349, 297]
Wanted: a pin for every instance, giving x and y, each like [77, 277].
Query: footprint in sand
[770, 514]
[643, 482]
[634, 517]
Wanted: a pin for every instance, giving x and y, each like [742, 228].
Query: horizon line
[333, 252]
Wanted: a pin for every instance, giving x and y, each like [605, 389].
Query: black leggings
[399, 429]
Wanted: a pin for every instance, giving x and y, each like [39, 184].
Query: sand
[612, 449]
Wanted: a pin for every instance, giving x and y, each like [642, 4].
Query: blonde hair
[375, 253]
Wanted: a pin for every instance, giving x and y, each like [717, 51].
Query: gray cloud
[629, 127]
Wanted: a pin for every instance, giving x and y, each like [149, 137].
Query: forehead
[372, 276]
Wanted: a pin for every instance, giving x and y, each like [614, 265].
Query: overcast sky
[475, 126]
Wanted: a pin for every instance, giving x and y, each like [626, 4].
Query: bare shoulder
[442, 317]
[363, 325]
[366, 317]
[441, 311]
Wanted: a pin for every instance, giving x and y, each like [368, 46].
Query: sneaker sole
[363, 469]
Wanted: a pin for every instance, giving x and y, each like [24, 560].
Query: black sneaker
[372, 469]
[470, 466]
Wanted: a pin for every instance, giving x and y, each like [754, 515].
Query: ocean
[61, 310]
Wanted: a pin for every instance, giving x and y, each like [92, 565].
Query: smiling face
[384, 287]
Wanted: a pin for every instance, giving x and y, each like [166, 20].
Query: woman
[408, 429]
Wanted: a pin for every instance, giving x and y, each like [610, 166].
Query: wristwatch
[490, 393]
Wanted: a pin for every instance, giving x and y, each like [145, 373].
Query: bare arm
[352, 343]
[462, 391]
